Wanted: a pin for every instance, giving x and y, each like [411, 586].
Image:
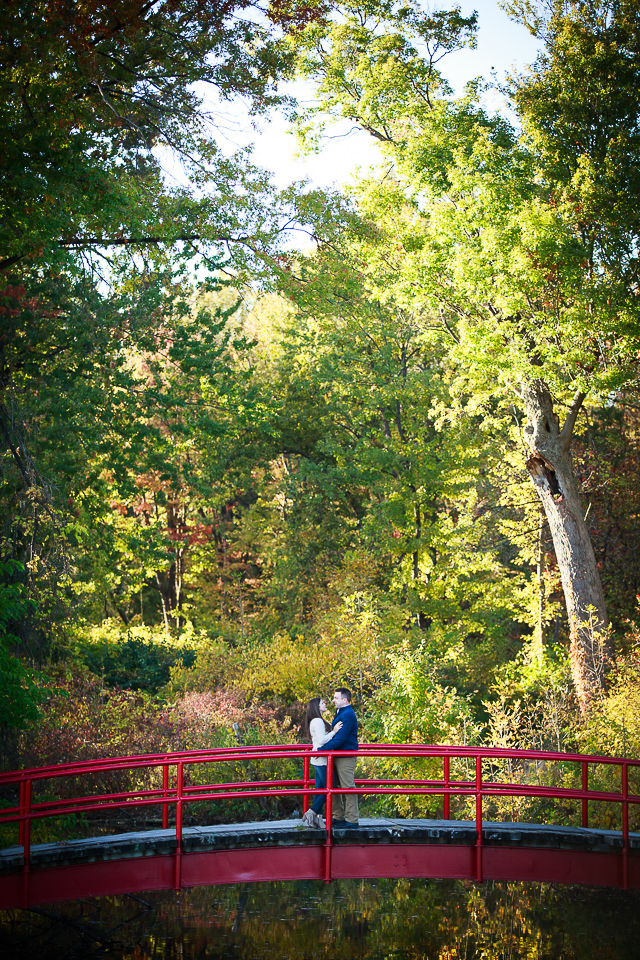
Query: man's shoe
[351, 826]
[338, 823]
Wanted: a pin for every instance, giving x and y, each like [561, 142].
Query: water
[345, 920]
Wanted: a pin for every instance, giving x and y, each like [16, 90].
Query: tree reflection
[352, 919]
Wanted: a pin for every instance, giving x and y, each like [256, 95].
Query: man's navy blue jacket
[347, 737]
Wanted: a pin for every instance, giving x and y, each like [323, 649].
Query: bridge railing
[482, 784]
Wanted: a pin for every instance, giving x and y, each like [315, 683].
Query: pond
[348, 919]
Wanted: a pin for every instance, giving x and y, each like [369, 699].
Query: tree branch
[570, 422]
[125, 241]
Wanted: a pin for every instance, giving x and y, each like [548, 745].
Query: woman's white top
[319, 737]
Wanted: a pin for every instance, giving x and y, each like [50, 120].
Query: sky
[502, 45]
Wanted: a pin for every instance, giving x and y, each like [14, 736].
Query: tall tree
[529, 250]
[580, 106]
[362, 339]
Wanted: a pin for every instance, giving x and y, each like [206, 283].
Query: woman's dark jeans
[321, 783]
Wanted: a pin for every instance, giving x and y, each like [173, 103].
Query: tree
[528, 259]
[95, 241]
[136, 416]
[87, 94]
[580, 107]
[361, 341]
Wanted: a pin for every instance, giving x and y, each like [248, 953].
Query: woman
[319, 732]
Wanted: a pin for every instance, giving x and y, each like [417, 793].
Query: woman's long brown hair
[313, 712]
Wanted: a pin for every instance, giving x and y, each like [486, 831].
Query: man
[345, 806]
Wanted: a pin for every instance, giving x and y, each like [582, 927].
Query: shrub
[137, 657]
[413, 707]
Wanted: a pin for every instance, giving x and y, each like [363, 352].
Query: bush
[413, 707]
[83, 720]
[134, 657]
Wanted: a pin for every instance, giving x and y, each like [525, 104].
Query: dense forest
[239, 469]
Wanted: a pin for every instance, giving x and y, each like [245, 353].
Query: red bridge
[485, 785]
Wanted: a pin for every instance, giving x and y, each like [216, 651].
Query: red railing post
[625, 826]
[479, 818]
[179, 790]
[447, 772]
[165, 794]
[585, 788]
[23, 784]
[306, 782]
[26, 841]
[328, 841]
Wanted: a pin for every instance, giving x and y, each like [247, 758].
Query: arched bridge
[439, 812]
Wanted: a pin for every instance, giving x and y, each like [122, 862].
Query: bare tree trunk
[551, 471]
[241, 609]
[538, 634]
[171, 582]
[415, 573]
[165, 602]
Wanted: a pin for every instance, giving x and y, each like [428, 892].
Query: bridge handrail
[241, 751]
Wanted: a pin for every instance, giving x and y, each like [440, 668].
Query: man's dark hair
[344, 693]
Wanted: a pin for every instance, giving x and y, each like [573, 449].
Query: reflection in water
[349, 920]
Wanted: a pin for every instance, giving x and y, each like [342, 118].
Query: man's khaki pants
[345, 806]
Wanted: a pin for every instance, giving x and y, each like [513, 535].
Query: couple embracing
[342, 734]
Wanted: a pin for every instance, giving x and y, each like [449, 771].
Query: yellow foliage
[217, 665]
[613, 726]
[295, 667]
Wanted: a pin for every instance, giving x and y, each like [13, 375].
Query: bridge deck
[291, 833]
